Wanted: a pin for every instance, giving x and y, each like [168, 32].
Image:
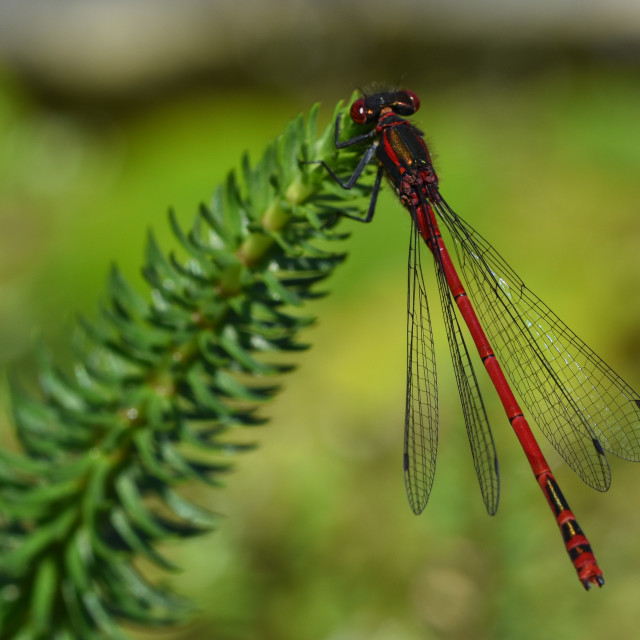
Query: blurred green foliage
[318, 540]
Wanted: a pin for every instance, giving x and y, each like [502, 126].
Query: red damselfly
[581, 405]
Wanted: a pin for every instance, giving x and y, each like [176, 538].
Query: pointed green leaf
[44, 593]
[137, 540]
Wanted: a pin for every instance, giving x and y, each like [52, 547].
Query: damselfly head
[367, 109]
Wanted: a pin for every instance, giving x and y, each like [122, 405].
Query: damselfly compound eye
[358, 112]
[407, 103]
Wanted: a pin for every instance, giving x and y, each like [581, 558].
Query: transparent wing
[483, 450]
[421, 416]
[581, 405]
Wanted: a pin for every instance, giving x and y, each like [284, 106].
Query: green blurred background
[112, 112]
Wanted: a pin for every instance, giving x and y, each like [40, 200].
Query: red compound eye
[358, 111]
[407, 103]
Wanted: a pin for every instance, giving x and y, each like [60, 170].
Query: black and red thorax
[406, 159]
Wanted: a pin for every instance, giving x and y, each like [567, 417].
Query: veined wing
[421, 416]
[581, 405]
[483, 451]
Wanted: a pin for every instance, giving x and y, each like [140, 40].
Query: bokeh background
[110, 112]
